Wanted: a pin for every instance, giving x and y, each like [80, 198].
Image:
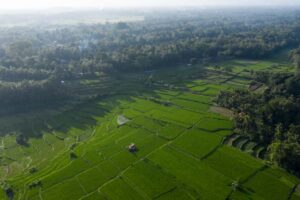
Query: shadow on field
[85, 116]
[82, 117]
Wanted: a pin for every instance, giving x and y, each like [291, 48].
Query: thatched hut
[132, 148]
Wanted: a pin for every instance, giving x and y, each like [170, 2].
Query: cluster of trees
[31, 55]
[271, 118]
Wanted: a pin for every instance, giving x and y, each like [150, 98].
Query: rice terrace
[154, 100]
[184, 149]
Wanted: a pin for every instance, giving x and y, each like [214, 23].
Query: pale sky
[37, 4]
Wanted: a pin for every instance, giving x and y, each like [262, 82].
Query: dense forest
[271, 118]
[35, 59]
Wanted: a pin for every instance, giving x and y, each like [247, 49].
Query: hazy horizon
[83, 4]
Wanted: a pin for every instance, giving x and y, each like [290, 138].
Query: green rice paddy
[83, 153]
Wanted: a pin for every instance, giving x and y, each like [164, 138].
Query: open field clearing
[176, 139]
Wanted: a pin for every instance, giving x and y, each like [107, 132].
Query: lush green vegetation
[128, 110]
[270, 116]
[181, 153]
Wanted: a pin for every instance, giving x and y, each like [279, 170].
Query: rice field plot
[53, 142]
[145, 145]
[274, 186]
[190, 105]
[211, 91]
[242, 195]
[92, 156]
[13, 153]
[92, 196]
[34, 149]
[196, 98]
[232, 163]
[213, 124]
[143, 105]
[95, 177]
[10, 166]
[233, 85]
[184, 116]
[199, 88]
[69, 171]
[197, 142]
[241, 81]
[214, 89]
[33, 193]
[176, 194]
[64, 190]
[148, 123]
[195, 83]
[150, 179]
[159, 113]
[106, 129]
[164, 97]
[235, 66]
[282, 175]
[112, 143]
[217, 86]
[177, 116]
[130, 113]
[163, 116]
[40, 150]
[264, 65]
[167, 93]
[27, 178]
[200, 180]
[239, 65]
[118, 189]
[258, 65]
[138, 135]
[170, 131]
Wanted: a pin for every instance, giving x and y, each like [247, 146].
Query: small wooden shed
[132, 148]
